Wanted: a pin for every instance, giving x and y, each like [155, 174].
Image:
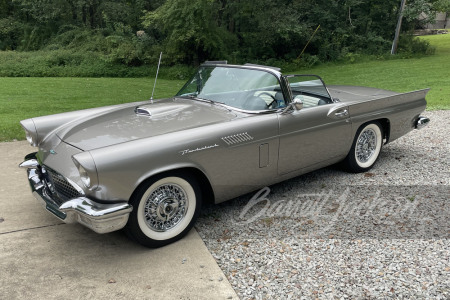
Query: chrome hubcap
[366, 145]
[165, 207]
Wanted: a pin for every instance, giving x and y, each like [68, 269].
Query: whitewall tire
[365, 149]
[164, 209]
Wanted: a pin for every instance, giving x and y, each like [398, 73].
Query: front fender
[121, 168]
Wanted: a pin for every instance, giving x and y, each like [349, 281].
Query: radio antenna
[157, 71]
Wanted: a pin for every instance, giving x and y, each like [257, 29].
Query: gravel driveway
[329, 234]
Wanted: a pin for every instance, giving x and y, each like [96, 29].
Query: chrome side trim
[422, 122]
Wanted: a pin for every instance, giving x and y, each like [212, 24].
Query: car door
[317, 133]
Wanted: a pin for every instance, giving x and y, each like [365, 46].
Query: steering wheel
[271, 96]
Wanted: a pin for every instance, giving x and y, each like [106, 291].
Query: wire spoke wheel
[164, 210]
[366, 145]
[165, 207]
[365, 149]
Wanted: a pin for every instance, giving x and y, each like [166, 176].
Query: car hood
[135, 122]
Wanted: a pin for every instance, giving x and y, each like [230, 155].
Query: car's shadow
[330, 203]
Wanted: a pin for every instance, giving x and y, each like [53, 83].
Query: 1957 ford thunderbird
[146, 167]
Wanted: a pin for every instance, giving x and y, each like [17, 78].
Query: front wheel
[165, 209]
[365, 149]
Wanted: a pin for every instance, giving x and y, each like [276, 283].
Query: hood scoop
[142, 111]
[158, 110]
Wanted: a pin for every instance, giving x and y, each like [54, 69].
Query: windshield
[241, 88]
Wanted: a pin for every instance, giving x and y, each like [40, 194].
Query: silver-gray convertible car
[146, 167]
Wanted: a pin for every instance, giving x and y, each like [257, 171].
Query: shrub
[68, 63]
[409, 45]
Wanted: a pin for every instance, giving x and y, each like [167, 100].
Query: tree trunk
[92, 10]
[397, 29]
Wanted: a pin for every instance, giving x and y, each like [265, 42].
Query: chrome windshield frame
[273, 71]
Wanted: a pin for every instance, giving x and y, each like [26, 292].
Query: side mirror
[296, 104]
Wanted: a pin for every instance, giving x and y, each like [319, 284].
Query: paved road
[41, 257]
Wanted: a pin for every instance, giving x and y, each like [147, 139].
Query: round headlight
[84, 176]
[86, 168]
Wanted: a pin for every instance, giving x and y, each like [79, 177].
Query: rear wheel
[365, 149]
[164, 210]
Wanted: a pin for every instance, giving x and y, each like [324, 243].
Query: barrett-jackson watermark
[314, 205]
[348, 207]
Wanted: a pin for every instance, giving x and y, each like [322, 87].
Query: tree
[190, 29]
[442, 6]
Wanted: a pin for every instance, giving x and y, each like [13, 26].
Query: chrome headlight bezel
[84, 176]
[30, 138]
[86, 169]
[30, 132]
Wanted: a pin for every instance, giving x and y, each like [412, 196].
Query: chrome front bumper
[99, 217]
[422, 122]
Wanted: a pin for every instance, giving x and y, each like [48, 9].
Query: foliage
[190, 29]
[20, 96]
[69, 63]
[409, 44]
[30, 97]
[422, 8]
[132, 33]
[442, 6]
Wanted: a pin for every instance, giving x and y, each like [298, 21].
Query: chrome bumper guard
[422, 122]
[99, 217]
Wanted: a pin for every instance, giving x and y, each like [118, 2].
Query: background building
[442, 22]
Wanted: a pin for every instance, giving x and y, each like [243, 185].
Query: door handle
[342, 113]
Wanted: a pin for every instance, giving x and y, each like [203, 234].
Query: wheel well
[386, 126]
[203, 182]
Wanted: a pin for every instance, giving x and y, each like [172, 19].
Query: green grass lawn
[400, 75]
[24, 97]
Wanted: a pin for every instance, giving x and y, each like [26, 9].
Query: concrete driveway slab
[41, 257]
[18, 209]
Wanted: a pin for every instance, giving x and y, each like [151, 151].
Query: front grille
[61, 186]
